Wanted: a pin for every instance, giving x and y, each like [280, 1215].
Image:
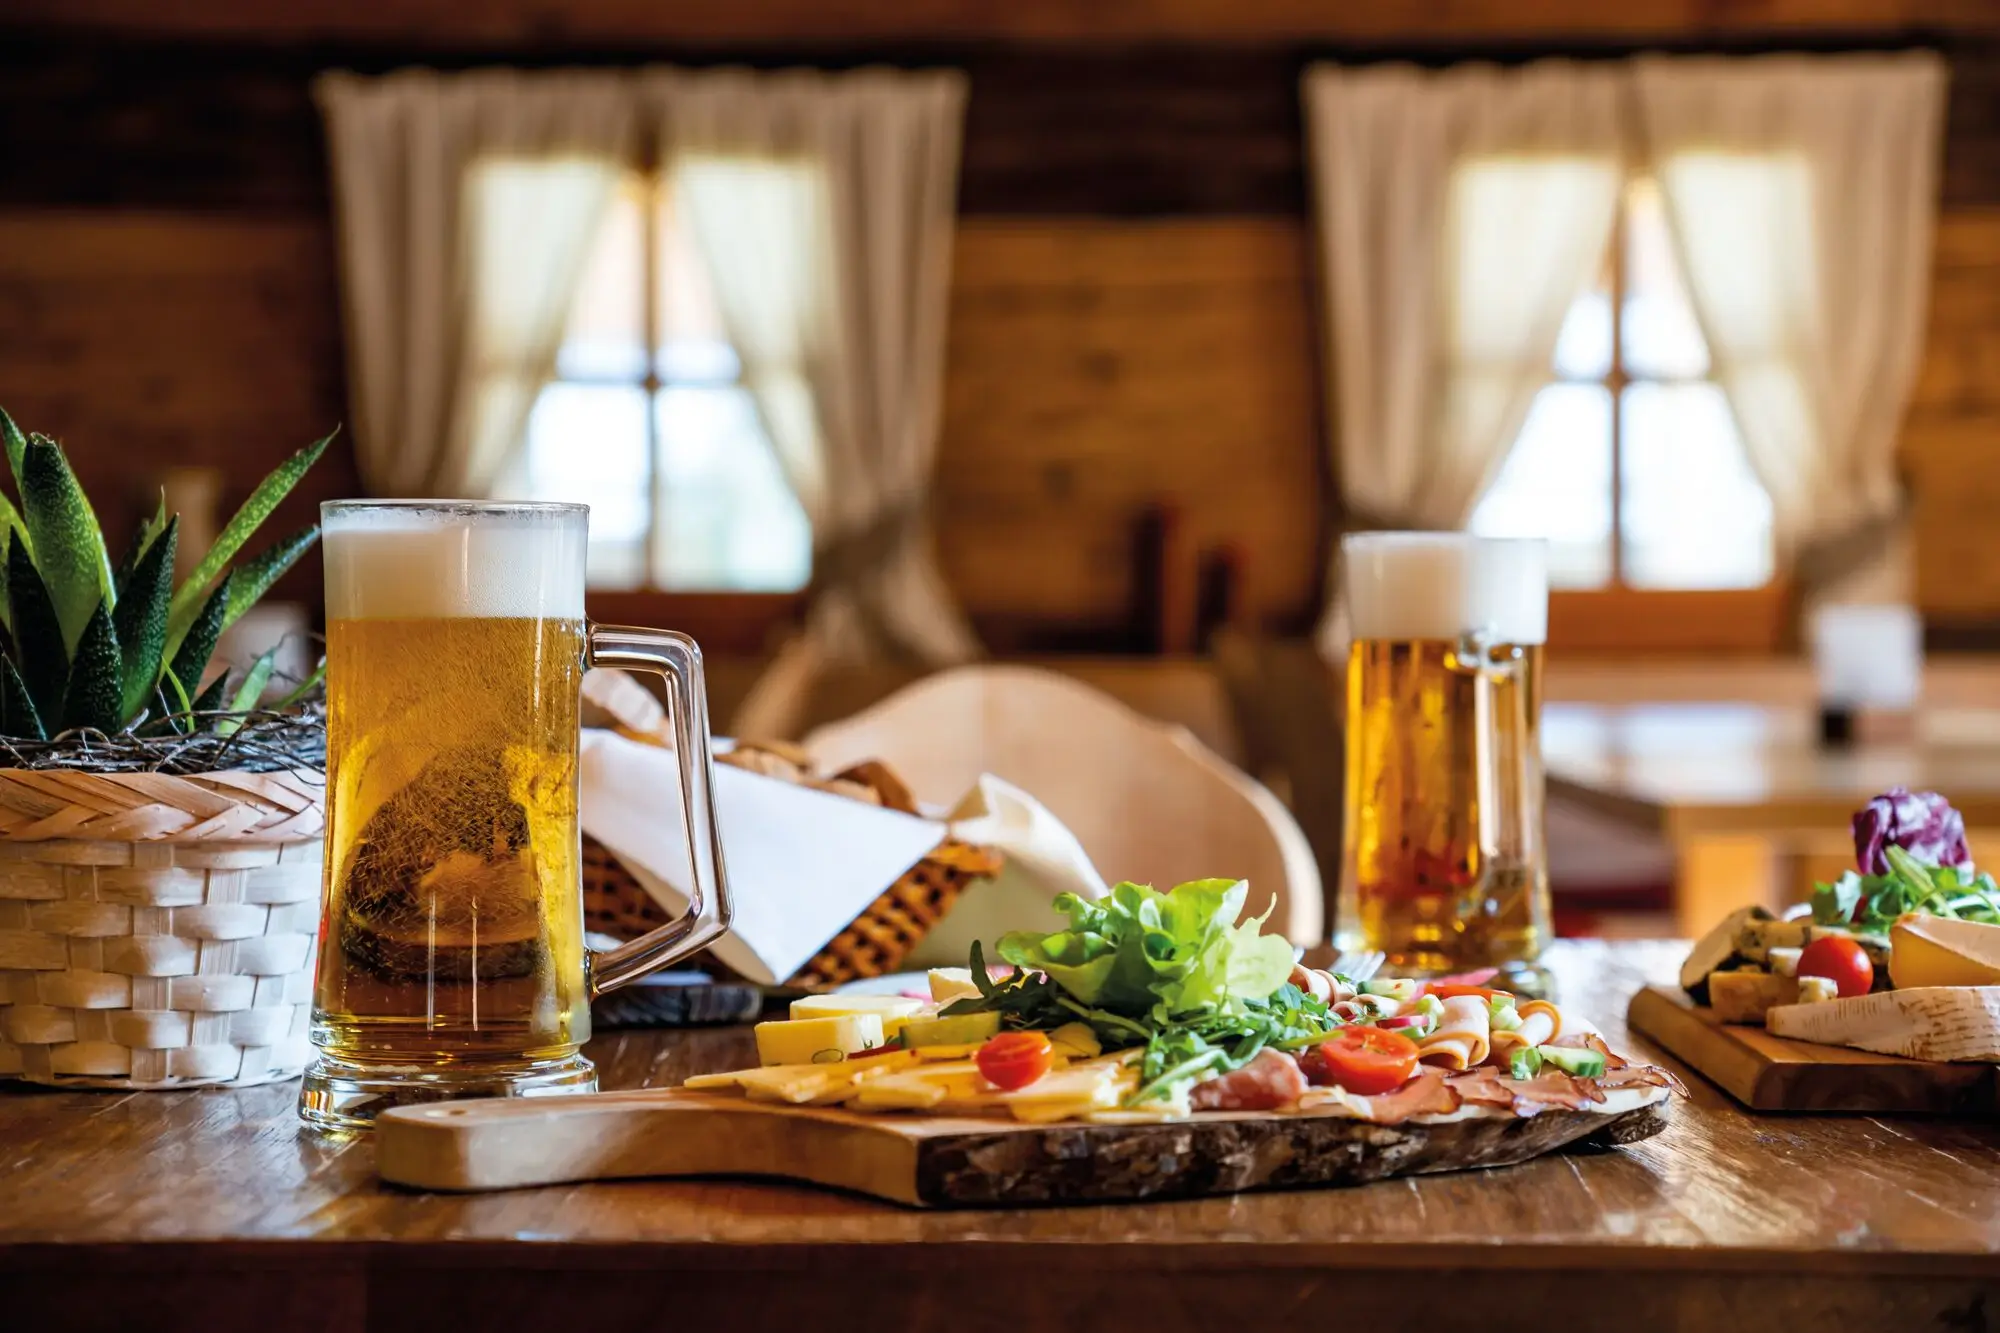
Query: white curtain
[1802, 191]
[1460, 212]
[823, 205]
[466, 205]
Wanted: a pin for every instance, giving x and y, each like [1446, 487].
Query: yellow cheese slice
[952, 983]
[808, 1041]
[1940, 951]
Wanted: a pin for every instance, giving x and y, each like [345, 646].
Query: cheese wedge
[1925, 1023]
[1939, 951]
[952, 983]
[810, 1041]
[893, 1010]
[1744, 996]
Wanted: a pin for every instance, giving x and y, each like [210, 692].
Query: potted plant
[160, 822]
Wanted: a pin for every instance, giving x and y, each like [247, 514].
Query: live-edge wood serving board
[948, 1161]
[1768, 1073]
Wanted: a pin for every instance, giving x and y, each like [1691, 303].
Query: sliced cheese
[1757, 938]
[1818, 990]
[808, 1041]
[1066, 1094]
[1785, 962]
[1077, 1039]
[952, 983]
[1716, 950]
[1925, 1023]
[1939, 951]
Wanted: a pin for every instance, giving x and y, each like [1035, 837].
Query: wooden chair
[1147, 800]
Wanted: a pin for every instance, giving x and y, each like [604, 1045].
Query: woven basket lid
[283, 806]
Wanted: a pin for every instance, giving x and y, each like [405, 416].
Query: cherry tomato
[1013, 1060]
[1363, 1060]
[1842, 961]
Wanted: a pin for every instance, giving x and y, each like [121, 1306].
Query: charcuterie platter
[1154, 1049]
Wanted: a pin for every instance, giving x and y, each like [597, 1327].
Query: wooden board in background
[1768, 1073]
[950, 1161]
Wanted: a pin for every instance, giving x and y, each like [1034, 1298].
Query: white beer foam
[413, 562]
[1439, 585]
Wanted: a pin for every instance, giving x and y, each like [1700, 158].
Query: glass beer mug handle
[678, 659]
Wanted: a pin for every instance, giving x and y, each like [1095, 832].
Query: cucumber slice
[952, 1030]
[1573, 1060]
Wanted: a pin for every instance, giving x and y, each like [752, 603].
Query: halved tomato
[1013, 1060]
[1363, 1060]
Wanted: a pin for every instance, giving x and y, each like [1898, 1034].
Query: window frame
[730, 621]
[1619, 618]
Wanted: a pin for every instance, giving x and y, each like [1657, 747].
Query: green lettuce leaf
[1140, 952]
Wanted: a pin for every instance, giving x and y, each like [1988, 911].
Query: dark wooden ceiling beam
[523, 24]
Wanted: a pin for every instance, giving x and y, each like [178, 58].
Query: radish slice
[1405, 1021]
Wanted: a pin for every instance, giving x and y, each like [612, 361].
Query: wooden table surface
[1708, 768]
[212, 1210]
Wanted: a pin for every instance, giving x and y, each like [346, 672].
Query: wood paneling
[1100, 367]
[1951, 442]
[146, 340]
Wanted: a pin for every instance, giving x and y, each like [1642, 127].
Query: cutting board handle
[508, 1143]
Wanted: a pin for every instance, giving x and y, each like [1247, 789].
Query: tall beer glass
[1444, 867]
[451, 960]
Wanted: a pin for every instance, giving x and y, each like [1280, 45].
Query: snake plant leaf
[237, 532]
[96, 689]
[17, 711]
[68, 546]
[149, 532]
[191, 654]
[210, 699]
[141, 619]
[249, 692]
[37, 634]
[254, 577]
[17, 446]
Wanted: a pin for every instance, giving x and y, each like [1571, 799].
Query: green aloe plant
[87, 644]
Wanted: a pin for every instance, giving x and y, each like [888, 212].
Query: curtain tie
[1824, 561]
[849, 559]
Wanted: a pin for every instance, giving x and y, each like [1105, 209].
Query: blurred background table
[1754, 805]
[211, 1210]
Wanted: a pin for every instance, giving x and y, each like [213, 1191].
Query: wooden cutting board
[947, 1162]
[1768, 1073]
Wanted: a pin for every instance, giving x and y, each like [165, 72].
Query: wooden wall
[1132, 319]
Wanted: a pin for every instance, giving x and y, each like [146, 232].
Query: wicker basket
[875, 944]
[156, 931]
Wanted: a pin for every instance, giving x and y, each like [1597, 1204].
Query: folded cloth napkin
[803, 863]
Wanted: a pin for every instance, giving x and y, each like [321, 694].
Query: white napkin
[804, 863]
[1043, 859]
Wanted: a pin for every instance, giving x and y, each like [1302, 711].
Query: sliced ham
[1549, 1088]
[1481, 1086]
[1313, 982]
[1271, 1082]
[1636, 1076]
[1426, 1093]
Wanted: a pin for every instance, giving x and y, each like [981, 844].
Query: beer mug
[451, 959]
[1444, 868]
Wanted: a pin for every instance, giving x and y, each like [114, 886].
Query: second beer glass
[1444, 867]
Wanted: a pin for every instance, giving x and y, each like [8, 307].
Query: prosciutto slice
[1271, 1082]
[1427, 1093]
[1639, 1076]
[1549, 1088]
[1481, 1087]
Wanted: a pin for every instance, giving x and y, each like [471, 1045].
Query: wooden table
[210, 1210]
[1741, 790]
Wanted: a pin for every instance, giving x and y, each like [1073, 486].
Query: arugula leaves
[1172, 971]
[1870, 904]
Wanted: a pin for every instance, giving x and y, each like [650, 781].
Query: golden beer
[451, 954]
[1444, 867]
[453, 910]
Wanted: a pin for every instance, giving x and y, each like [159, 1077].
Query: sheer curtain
[466, 205]
[1460, 212]
[823, 205]
[1803, 192]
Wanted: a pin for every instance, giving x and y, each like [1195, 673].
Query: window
[648, 421]
[1629, 462]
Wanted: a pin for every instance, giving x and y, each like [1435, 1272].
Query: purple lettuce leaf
[1922, 823]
